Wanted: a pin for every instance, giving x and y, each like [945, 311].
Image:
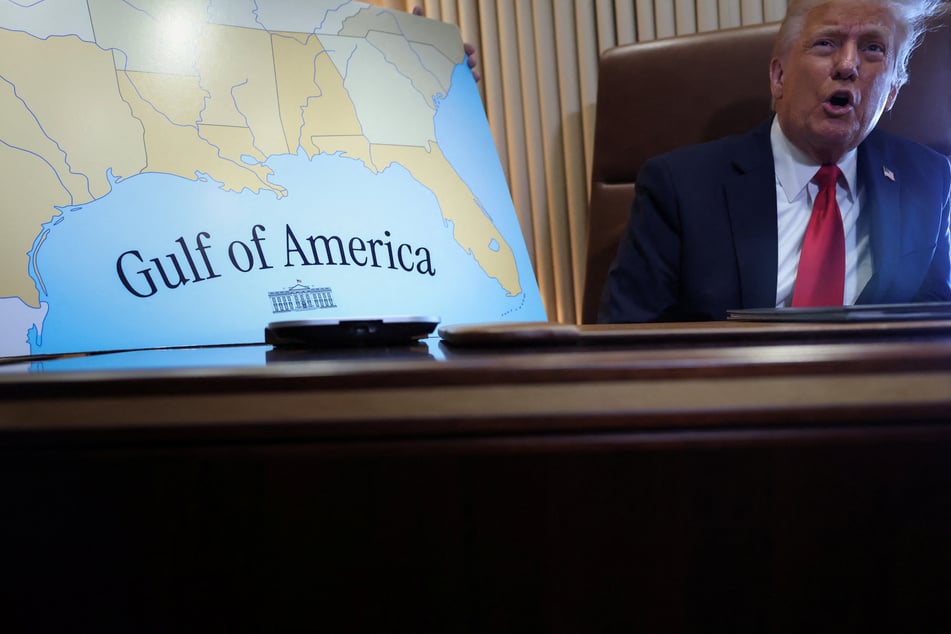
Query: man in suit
[722, 225]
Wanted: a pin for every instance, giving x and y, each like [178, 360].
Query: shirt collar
[794, 170]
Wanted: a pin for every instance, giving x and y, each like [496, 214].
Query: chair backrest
[656, 96]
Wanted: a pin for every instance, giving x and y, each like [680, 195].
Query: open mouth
[840, 99]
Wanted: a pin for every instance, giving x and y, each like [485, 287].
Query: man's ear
[776, 78]
[892, 96]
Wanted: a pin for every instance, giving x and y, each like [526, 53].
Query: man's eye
[823, 44]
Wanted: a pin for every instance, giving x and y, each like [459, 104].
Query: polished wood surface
[782, 483]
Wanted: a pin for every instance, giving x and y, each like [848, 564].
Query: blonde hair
[913, 18]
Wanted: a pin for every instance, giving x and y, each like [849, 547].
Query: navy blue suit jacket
[702, 237]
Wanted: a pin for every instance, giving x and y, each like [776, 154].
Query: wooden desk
[777, 486]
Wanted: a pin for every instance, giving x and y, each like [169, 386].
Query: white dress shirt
[795, 193]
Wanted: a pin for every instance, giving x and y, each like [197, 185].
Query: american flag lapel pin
[890, 175]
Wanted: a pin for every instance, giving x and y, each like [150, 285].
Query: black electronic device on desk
[350, 332]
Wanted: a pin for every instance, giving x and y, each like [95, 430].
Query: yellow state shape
[236, 67]
[21, 130]
[295, 68]
[178, 150]
[354, 147]
[70, 86]
[473, 229]
[332, 111]
[314, 102]
[178, 97]
[28, 199]
[233, 143]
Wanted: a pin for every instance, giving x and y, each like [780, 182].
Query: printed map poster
[184, 172]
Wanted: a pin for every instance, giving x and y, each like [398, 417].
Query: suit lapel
[751, 205]
[881, 203]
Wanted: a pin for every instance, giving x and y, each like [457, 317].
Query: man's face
[837, 78]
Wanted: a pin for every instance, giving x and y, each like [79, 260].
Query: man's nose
[847, 61]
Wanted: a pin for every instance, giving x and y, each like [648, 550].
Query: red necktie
[820, 280]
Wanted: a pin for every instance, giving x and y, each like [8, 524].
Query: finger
[471, 58]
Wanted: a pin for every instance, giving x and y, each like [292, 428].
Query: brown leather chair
[655, 96]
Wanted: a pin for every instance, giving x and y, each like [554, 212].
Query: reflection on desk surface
[209, 357]
[491, 342]
[522, 334]
[151, 359]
